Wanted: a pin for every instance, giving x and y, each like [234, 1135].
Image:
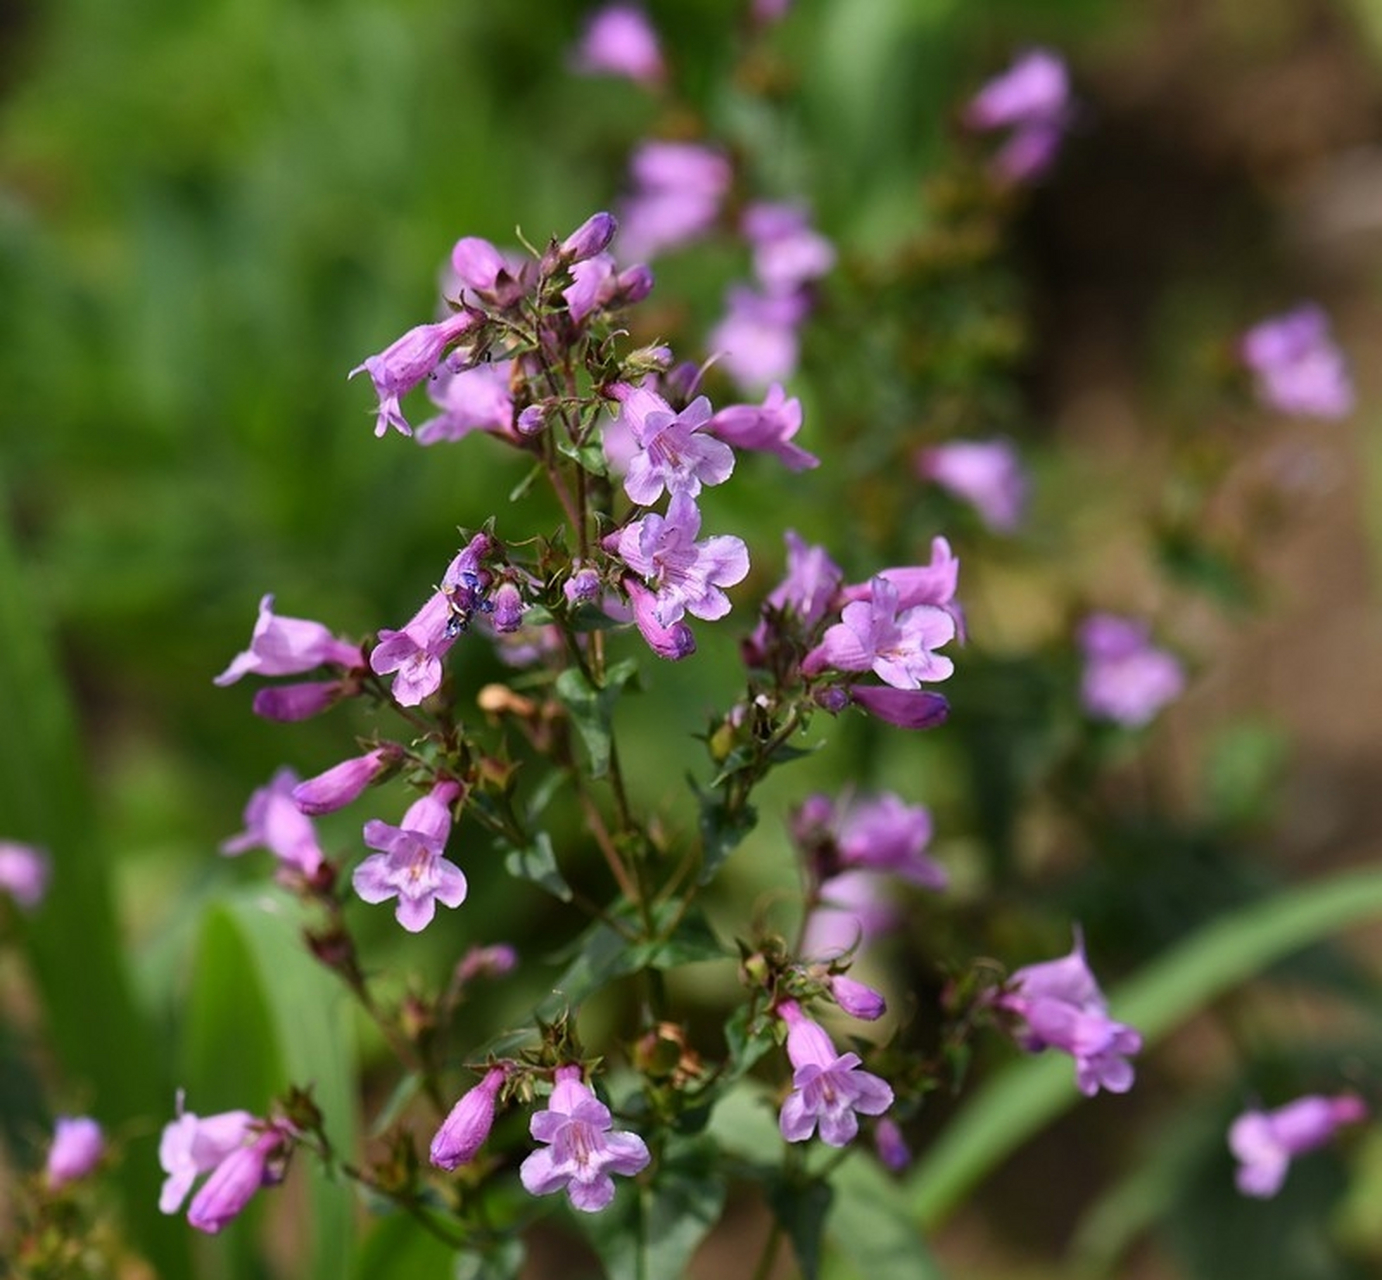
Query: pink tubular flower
[1126, 678]
[678, 188]
[896, 644]
[288, 703]
[582, 1151]
[1062, 1008]
[619, 41]
[233, 1182]
[465, 1129]
[1297, 366]
[475, 399]
[933, 583]
[884, 833]
[674, 642]
[78, 1145]
[1033, 99]
[344, 782]
[687, 576]
[828, 1088]
[768, 428]
[192, 1145]
[857, 998]
[409, 865]
[399, 368]
[757, 338]
[985, 473]
[493, 961]
[787, 253]
[676, 451]
[891, 1145]
[274, 822]
[24, 873]
[288, 647]
[905, 708]
[854, 909]
[413, 655]
[1265, 1142]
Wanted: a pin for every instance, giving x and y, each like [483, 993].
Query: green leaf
[603, 954]
[722, 831]
[538, 863]
[871, 1227]
[800, 1209]
[291, 1026]
[592, 709]
[747, 1042]
[651, 1231]
[1016, 1104]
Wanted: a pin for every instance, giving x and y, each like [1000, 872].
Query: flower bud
[591, 237]
[508, 608]
[78, 1145]
[24, 873]
[531, 421]
[891, 1146]
[464, 1131]
[287, 703]
[233, 1183]
[344, 782]
[856, 999]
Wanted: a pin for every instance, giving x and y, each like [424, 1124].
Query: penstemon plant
[620, 1108]
[532, 353]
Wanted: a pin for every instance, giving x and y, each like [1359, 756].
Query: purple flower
[757, 338]
[768, 427]
[766, 11]
[896, 644]
[891, 1145]
[828, 1088]
[78, 1145]
[678, 188]
[1126, 678]
[1264, 1142]
[675, 451]
[274, 822]
[233, 1182]
[582, 1151]
[582, 585]
[933, 583]
[508, 608]
[856, 998]
[985, 473]
[413, 656]
[476, 399]
[344, 782]
[1062, 1008]
[905, 708]
[288, 703]
[811, 584]
[399, 368]
[1297, 366]
[1034, 89]
[854, 909]
[884, 833]
[192, 1145]
[688, 576]
[619, 41]
[479, 265]
[24, 873]
[591, 237]
[598, 285]
[493, 961]
[415, 653]
[288, 647]
[674, 642]
[465, 1129]
[1033, 99]
[409, 865]
[787, 253]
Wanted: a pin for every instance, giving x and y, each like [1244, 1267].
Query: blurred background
[210, 212]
